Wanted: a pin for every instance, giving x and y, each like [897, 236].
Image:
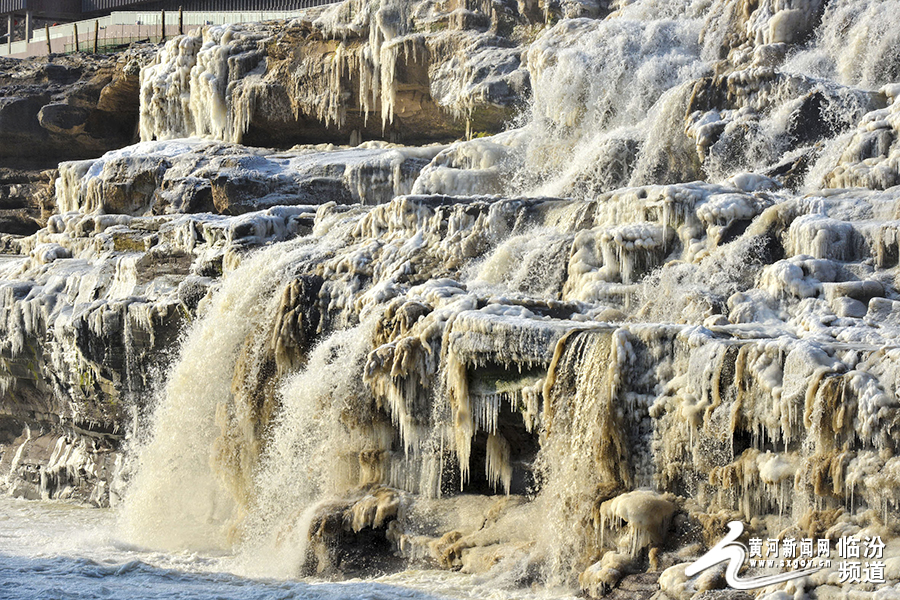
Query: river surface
[53, 550]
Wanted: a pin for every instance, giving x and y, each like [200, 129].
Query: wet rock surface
[569, 353]
[415, 73]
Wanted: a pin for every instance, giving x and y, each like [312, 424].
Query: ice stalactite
[742, 31]
[195, 86]
[169, 113]
[373, 61]
[497, 468]
[462, 67]
[385, 62]
[66, 331]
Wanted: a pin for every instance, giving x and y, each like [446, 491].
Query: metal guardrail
[97, 7]
[123, 27]
[84, 9]
[11, 5]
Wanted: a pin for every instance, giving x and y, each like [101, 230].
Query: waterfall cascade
[663, 299]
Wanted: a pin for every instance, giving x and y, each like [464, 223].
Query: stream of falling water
[238, 474]
[181, 496]
[183, 530]
[188, 528]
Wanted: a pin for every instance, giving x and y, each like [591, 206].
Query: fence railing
[124, 27]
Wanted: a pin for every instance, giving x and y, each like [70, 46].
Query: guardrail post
[235, 16]
[9, 32]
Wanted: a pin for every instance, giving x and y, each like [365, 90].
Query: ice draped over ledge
[662, 298]
[409, 72]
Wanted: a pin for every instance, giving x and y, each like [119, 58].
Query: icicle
[497, 466]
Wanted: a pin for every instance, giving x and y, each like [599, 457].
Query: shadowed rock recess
[546, 290]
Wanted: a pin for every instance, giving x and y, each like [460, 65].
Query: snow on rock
[392, 70]
[663, 299]
[194, 175]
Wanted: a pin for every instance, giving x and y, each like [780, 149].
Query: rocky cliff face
[26, 200]
[662, 299]
[67, 107]
[61, 108]
[356, 71]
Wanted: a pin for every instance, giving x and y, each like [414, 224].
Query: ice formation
[570, 353]
[396, 64]
[88, 313]
[192, 175]
[738, 416]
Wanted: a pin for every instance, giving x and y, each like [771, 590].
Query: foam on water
[66, 551]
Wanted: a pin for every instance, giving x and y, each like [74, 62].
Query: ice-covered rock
[194, 175]
[356, 70]
[869, 156]
[474, 385]
[568, 353]
[87, 314]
